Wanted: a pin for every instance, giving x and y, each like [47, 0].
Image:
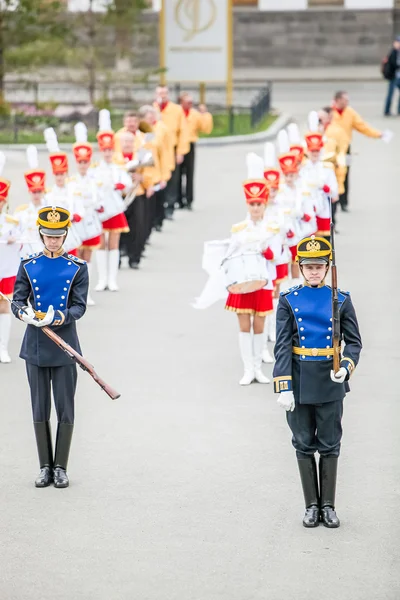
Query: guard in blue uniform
[51, 289]
[308, 388]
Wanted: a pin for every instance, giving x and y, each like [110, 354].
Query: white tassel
[313, 121]
[255, 166]
[269, 155]
[2, 161]
[104, 120]
[51, 140]
[283, 142]
[294, 134]
[32, 157]
[81, 133]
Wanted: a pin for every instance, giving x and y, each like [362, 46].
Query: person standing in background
[173, 117]
[391, 72]
[349, 120]
[198, 121]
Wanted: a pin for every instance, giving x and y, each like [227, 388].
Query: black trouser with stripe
[132, 243]
[316, 428]
[63, 382]
[187, 174]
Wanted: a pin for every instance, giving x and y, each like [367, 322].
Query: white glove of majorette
[387, 136]
[340, 376]
[29, 317]
[286, 400]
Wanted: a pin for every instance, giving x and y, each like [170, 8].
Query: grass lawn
[241, 125]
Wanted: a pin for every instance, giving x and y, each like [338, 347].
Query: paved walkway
[187, 488]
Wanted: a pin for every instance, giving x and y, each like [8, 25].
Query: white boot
[101, 262]
[258, 347]
[5, 327]
[113, 266]
[246, 352]
[90, 301]
[266, 355]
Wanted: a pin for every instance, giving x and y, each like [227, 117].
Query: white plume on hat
[269, 154]
[2, 161]
[81, 133]
[313, 121]
[32, 157]
[294, 134]
[283, 142]
[255, 166]
[105, 120]
[51, 140]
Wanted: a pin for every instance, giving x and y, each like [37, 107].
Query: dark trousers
[316, 428]
[63, 381]
[186, 177]
[344, 198]
[159, 215]
[334, 209]
[392, 85]
[172, 189]
[132, 243]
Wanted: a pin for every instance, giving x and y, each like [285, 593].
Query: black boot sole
[43, 485]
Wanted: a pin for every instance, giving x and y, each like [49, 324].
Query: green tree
[27, 29]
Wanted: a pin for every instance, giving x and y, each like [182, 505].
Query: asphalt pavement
[186, 488]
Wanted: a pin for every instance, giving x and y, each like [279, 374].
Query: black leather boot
[309, 482]
[63, 444]
[327, 478]
[45, 452]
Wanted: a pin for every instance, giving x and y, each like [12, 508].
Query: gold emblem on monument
[195, 16]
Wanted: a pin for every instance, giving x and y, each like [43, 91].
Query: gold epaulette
[273, 228]
[10, 219]
[72, 178]
[94, 164]
[305, 193]
[239, 227]
[21, 208]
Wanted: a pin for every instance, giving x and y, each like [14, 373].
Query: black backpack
[387, 68]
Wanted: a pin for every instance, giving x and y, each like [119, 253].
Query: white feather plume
[313, 121]
[269, 155]
[255, 166]
[283, 142]
[2, 161]
[294, 133]
[104, 120]
[32, 157]
[81, 133]
[50, 137]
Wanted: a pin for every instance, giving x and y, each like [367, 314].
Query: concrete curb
[252, 138]
[262, 136]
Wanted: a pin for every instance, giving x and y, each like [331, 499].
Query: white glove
[387, 136]
[47, 320]
[286, 400]
[28, 315]
[340, 376]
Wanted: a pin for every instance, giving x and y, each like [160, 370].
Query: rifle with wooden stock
[336, 336]
[73, 355]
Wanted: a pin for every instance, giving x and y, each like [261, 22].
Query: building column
[279, 5]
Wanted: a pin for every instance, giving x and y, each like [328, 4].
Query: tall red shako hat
[314, 139]
[288, 161]
[4, 183]
[83, 151]
[296, 143]
[255, 187]
[271, 172]
[58, 159]
[105, 136]
[35, 178]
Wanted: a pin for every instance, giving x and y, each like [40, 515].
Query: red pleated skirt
[117, 223]
[7, 286]
[258, 303]
[323, 226]
[92, 244]
[293, 252]
[282, 272]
